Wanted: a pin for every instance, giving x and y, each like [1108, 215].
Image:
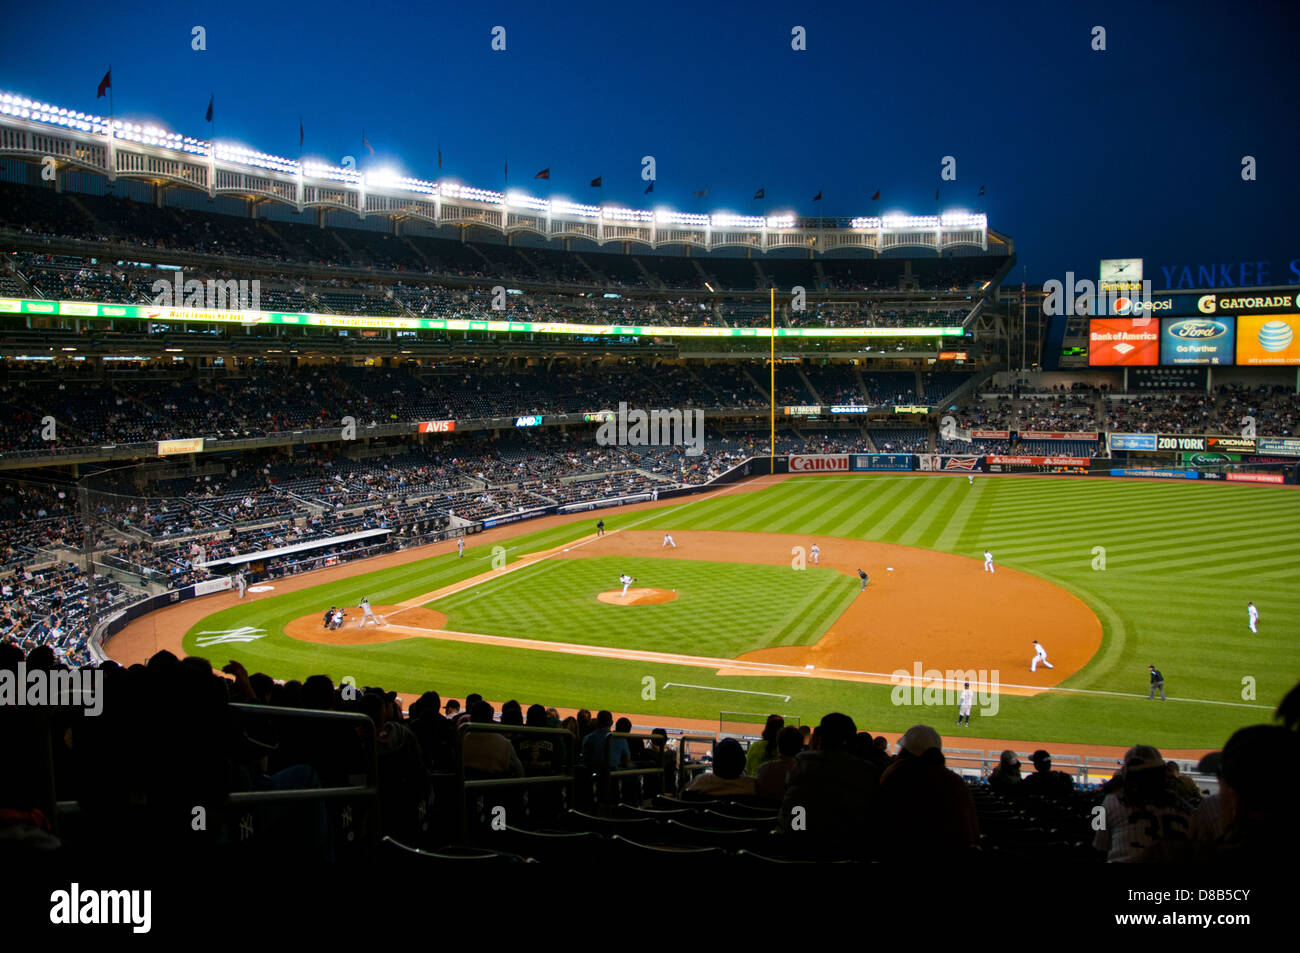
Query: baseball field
[1109, 576]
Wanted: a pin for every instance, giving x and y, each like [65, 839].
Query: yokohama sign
[820, 463]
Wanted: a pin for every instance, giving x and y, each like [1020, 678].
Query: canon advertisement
[819, 463]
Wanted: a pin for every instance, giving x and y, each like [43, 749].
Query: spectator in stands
[1181, 783]
[833, 790]
[923, 805]
[486, 752]
[765, 748]
[594, 752]
[659, 754]
[452, 708]
[1260, 776]
[1007, 772]
[727, 776]
[434, 732]
[771, 777]
[1044, 781]
[512, 713]
[540, 754]
[1146, 820]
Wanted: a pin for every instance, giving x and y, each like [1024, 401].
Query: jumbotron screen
[1123, 342]
[1206, 340]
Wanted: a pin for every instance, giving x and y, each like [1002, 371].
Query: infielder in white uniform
[626, 580]
[1040, 655]
[988, 561]
[366, 613]
[964, 703]
[971, 478]
[816, 553]
[460, 547]
[1254, 616]
[668, 541]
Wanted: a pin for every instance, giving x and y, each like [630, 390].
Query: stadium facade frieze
[117, 148]
[248, 318]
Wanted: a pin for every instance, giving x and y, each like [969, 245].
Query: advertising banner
[1056, 435]
[516, 517]
[1209, 458]
[990, 434]
[1269, 339]
[1132, 441]
[1197, 340]
[1156, 474]
[1242, 444]
[1179, 442]
[437, 426]
[167, 448]
[1287, 446]
[803, 410]
[1256, 478]
[1231, 302]
[882, 461]
[819, 463]
[933, 462]
[1123, 342]
[1004, 464]
[850, 409]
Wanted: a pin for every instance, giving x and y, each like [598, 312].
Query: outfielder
[668, 541]
[1254, 616]
[816, 553]
[626, 580]
[971, 478]
[988, 561]
[964, 702]
[1040, 655]
[366, 613]
[460, 547]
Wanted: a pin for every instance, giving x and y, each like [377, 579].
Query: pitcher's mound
[637, 597]
[308, 628]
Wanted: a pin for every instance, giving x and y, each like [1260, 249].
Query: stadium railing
[466, 786]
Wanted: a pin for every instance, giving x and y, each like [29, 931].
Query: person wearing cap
[1157, 683]
[1147, 820]
[1258, 781]
[1044, 781]
[923, 804]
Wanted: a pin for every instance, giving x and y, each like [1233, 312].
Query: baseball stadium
[393, 516]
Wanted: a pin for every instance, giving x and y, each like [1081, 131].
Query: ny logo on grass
[658, 428]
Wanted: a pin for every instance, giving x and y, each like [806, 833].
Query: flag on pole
[936, 195]
[818, 196]
[760, 193]
[649, 188]
[105, 83]
[211, 99]
[876, 197]
[595, 183]
[981, 190]
[300, 134]
[440, 157]
[544, 174]
[702, 194]
[366, 142]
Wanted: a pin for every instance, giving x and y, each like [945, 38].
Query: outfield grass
[1180, 562]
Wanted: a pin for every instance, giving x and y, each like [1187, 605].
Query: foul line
[739, 691]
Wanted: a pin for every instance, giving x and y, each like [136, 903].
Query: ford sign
[1195, 329]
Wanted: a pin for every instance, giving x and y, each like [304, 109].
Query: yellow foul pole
[771, 464]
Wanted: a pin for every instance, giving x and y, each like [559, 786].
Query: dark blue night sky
[1131, 152]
